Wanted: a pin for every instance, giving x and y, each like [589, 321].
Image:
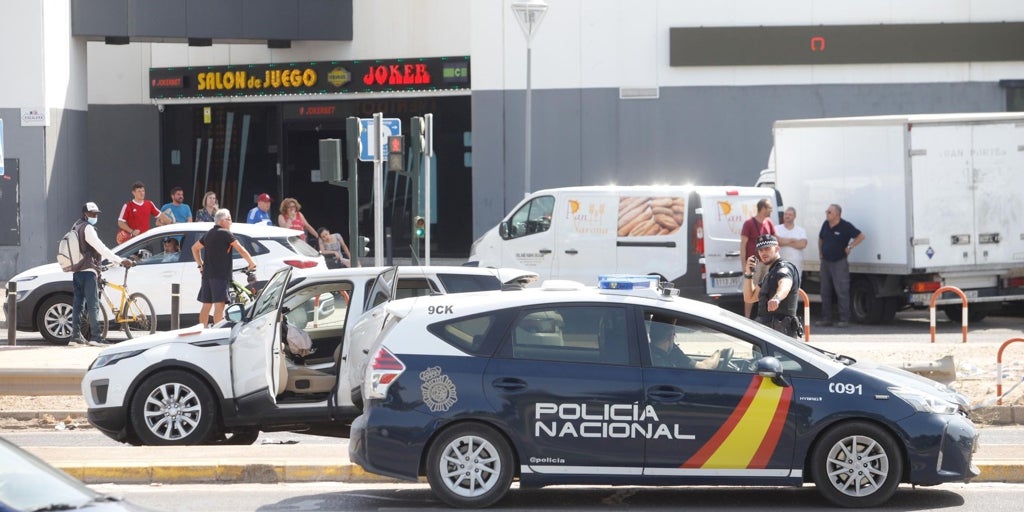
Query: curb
[227, 472]
[266, 473]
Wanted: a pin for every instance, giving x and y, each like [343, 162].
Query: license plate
[725, 282]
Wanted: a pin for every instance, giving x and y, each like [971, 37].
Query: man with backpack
[87, 270]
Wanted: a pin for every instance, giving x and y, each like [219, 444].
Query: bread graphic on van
[650, 216]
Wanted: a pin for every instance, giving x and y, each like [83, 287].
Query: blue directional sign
[388, 126]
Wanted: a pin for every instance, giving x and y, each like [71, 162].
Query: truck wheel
[865, 306]
[890, 307]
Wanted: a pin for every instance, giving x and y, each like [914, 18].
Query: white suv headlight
[924, 402]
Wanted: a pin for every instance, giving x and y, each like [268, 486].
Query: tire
[865, 306]
[173, 407]
[956, 314]
[475, 450]
[143, 317]
[53, 320]
[879, 465]
[890, 307]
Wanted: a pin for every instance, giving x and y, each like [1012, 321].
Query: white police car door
[256, 347]
[725, 420]
[572, 399]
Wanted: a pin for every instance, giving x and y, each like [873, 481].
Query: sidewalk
[207, 464]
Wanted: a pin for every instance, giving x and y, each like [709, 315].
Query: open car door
[256, 350]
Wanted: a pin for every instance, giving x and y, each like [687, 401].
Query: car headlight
[109, 359]
[22, 279]
[924, 402]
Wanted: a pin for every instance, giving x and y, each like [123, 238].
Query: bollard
[931, 310]
[12, 313]
[999, 369]
[175, 302]
[807, 314]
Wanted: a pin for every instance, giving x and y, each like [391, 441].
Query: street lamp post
[529, 14]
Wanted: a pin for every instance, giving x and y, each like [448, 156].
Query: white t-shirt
[792, 254]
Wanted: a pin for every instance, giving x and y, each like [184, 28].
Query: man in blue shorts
[215, 265]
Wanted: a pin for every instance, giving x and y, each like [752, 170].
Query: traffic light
[419, 227]
[396, 153]
[363, 246]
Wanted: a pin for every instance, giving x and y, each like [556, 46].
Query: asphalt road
[323, 497]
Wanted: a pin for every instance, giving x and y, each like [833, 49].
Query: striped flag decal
[761, 414]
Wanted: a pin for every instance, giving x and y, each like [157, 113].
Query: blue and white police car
[627, 384]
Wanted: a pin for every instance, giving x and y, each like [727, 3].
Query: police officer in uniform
[776, 294]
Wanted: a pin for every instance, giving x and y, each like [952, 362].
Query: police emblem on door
[438, 390]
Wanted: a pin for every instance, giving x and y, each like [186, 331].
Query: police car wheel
[173, 408]
[470, 466]
[856, 464]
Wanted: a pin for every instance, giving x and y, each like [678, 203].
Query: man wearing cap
[776, 293]
[86, 293]
[260, 214]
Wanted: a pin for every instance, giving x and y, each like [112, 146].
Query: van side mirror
[503, 230]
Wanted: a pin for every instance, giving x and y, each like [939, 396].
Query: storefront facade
[623, 91]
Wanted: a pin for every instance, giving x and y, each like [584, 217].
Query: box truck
[940, 199]
[689, 235]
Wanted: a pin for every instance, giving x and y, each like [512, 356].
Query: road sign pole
[378, 191]
[427, 155]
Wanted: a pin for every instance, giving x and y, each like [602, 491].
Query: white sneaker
[77, 341]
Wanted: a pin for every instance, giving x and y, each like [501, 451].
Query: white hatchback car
[45, 293]
[226, 384]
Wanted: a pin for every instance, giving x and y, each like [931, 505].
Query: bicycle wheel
[87, 329]
[138, 317]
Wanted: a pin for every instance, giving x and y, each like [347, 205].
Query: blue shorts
[213, 290]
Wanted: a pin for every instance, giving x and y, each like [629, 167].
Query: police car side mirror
[770, 368]
[234, 312]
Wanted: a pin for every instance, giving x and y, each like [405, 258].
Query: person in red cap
[260, 214]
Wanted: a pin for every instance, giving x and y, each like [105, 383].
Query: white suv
[45, 292]
[197, 386]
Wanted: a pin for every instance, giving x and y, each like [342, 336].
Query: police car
[558, 385]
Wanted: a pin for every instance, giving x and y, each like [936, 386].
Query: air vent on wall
[638, 93]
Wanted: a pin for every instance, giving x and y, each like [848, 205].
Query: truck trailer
[939, 197]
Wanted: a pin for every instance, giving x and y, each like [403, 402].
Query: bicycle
[243, 294]
[133, 311]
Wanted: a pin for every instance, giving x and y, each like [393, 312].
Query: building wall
[698, 135]
[46, 75]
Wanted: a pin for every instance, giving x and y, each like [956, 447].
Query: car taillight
[301, 263]
[698, 236]
[925, 286]
[383, 371]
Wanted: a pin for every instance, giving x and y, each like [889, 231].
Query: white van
[689, 235]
